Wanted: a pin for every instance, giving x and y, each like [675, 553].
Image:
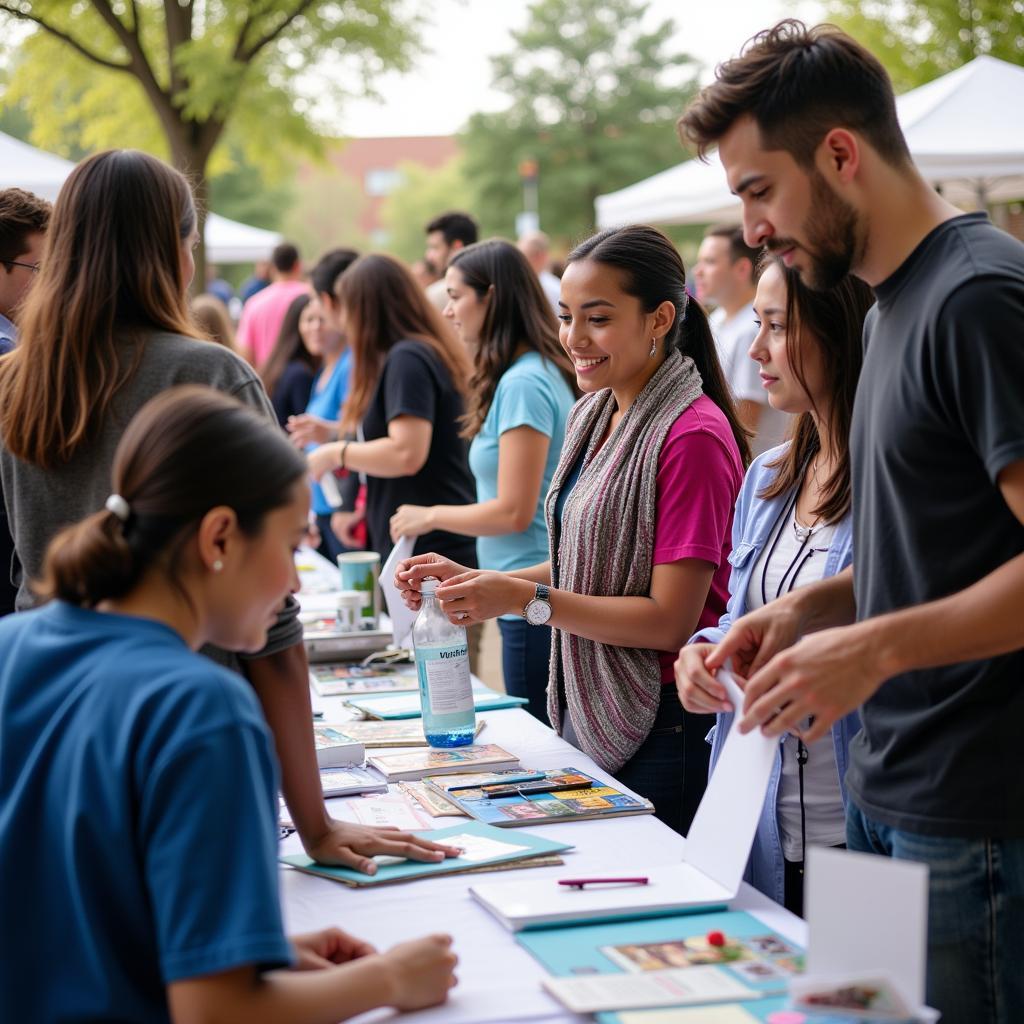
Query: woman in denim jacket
[792, 527]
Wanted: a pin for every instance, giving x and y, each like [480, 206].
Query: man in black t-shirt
[806, 126]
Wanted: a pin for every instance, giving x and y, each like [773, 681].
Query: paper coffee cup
[359, 571]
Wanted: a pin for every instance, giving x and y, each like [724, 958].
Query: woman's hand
[343, 525]
[481, 594]
[324, 459]
[412, 571]
[316, 950]
[411, 521]
[308, 429]
[421, 972]
[699, 692]
[353, 846]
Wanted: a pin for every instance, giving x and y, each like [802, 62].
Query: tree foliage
[918, 40]
[595, 94]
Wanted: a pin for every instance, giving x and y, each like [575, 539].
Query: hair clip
[116, 504]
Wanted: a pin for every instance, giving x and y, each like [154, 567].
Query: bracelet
[341, 454]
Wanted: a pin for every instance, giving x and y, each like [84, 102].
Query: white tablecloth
[498, 980]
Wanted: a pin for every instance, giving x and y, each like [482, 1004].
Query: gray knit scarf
[605, 547]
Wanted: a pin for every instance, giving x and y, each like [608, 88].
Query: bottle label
[448, 681]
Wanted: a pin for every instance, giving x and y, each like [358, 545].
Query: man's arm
[831, 673]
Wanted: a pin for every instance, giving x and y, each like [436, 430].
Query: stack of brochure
[415, 764]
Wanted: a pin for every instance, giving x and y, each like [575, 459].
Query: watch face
[538, 612]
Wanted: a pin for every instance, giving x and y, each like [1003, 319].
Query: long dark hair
[188, 450]
[653, 272]
[110, 270]
[384, 305]
[518, 315]
[288, 347]
[834, 320]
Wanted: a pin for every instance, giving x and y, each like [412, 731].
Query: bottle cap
[428, 585]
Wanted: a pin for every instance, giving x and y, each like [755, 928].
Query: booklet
[401, 733]
[445, 784]
[334, 747]
[433, 803]
[482, 847]
[415, 764]
[407, 705]
[351, 781]
[590, 799]
[340, 679]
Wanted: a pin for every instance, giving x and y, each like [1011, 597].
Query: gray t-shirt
[38, 503]
[939, 414]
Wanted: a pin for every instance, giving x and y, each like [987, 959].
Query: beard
[834, 243]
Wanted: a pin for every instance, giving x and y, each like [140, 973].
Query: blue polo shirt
[138, 837]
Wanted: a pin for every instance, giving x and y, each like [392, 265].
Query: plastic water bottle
[442, 664]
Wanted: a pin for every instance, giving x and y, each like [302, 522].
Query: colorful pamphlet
[340, 679]
[433, 803]
[592, 799]
[407, 705]
[415, 764]
[401, 733]
[482, 847]
[350, 781]
[474, 780]
[334, 748]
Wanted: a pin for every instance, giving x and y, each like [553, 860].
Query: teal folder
[407, 870]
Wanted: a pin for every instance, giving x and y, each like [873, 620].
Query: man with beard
[927, 632]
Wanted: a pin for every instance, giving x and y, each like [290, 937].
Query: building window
[382, 181]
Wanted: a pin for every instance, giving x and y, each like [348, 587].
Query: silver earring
[654, 347]
[218, 565]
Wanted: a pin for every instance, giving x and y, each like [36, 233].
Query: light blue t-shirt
[531, 393]
[327, 404]
[138, 810]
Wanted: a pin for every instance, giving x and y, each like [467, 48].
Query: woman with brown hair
[107, 328]
[405, 406]
[520, 395]
[295, 359]
[211, 315]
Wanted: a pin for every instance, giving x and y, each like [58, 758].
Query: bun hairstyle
[652, 271]
[185, 452]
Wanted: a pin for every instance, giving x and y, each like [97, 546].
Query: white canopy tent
[32, 169]
[965, 132]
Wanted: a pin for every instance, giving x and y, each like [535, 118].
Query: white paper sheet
[689, 985]
[699, 1015]
[387, 812]
[723, 828]
[401, 617]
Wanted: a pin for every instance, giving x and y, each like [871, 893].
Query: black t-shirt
[939, 413]
[292, 391]
[415, 382]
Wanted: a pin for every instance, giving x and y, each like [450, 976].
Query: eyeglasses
[34, 267]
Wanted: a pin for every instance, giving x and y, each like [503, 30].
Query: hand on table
[343, 525]
[827, 675]
[421, 972]
[353, 846]
[410, 521]
[307, 429]
[411, 572]
[699, 692]
[316, 950]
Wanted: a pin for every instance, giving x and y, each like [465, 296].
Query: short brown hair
[798, 83]
[21, 214]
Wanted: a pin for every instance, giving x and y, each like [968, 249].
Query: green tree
[189, 79]
[595, 94]
[423, 194]
[918, 40]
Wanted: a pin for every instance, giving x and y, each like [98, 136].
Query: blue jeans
[975, 917]
[525, 660]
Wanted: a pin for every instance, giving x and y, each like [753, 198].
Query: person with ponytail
[520, 395]
[793, 527]
[106, 328]
[138, 779]
[639, 515]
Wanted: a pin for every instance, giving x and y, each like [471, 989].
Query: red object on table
[716, 939]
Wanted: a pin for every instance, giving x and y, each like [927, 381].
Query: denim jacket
[753, 524]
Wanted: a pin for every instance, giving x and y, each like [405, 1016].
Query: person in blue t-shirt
[138, 782]
[520, 395]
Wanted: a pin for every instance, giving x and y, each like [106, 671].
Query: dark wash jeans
[670, 768]
[525, 660]
[975, 917]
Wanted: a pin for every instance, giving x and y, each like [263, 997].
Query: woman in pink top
[639, 516]
[263, 314]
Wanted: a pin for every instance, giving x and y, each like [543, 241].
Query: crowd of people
[820, 487]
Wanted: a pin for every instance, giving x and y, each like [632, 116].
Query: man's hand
[827, 675]
[756, 638]
[352, 846]
[316, 950]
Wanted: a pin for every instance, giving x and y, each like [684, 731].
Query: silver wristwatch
[538, 608]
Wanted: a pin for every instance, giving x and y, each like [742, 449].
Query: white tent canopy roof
[965, 131]
[34, 170]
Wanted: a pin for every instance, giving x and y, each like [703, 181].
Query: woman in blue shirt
[137, 779]
[520, 395]
[792, 527]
